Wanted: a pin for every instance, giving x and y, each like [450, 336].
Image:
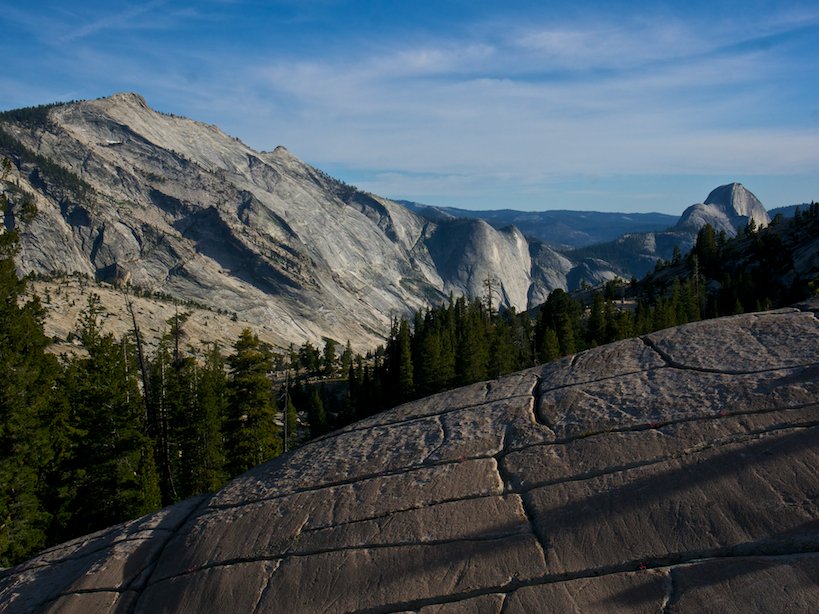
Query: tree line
[466, 341]
[108, 433]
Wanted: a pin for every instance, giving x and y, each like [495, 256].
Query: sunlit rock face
[667, 473]
[727, 208]
[185, 209]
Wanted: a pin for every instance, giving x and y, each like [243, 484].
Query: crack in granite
[675, 364]
[706, 445]
[152, 565]
[668, 561]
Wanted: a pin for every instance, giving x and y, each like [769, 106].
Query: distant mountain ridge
[556, 227]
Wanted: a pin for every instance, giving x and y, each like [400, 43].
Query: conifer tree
[208, 466]
[27, 411]
[346, 358]
[406, 380]
[290, 435]
[315, 414]
[328, 358]
[251, 436]
[501, 349]
[167, 407]
[596, 325]
[472, 358]
[550, 346]
[428, 364]
[113, 466]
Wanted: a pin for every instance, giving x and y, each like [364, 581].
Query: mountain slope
[172, 204]
[167, 204]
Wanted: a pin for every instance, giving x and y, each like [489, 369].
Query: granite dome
[666, 473]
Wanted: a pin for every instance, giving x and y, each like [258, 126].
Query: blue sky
[623, 106]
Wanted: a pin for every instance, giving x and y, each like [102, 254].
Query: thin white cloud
[122, 20]
[671, 97]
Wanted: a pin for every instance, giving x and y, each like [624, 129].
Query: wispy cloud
[482, 119]
[122, 20]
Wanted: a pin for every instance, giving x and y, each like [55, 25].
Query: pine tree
[251, 436]
[315, 414]
[208, 467]
[166, 410]
[291, 418]
[472, 357]
[346, 358]
[113, 463]
[428, 371]
[329, 357]
[501, 349]
[28, 410]
[565, 335]
[406, 381]
[550, 345]
[596, 325]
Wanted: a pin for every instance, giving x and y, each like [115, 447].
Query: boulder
[677, 472]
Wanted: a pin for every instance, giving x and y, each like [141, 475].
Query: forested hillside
[467, 341]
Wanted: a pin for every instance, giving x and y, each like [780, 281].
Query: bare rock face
[726, 209]
[678, 473]
[180, 207]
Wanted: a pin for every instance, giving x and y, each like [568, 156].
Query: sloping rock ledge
[678, 472]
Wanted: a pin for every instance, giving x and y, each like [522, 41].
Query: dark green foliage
[207, 457]
[290, 434]
[429, 361]
[310, 358]
[315, 414]
[187, 408]
[562, 315]
[346, 358]
[251, 436]
[34, 432]
[328, 359]
[185, 412]
[31, 117]
[472, 353]
[110, 475]
[401, 360]
[27, 414]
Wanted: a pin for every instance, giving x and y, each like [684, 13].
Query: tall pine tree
[27, 411]
[112, 470]
[251, 436]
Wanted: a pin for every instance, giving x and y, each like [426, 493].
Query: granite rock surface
[678, 472]
[181, 208]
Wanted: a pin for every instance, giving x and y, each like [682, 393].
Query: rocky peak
[736, 198]
[727, 208]
[128, 98]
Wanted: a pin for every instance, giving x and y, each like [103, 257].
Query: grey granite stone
[677, 473]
